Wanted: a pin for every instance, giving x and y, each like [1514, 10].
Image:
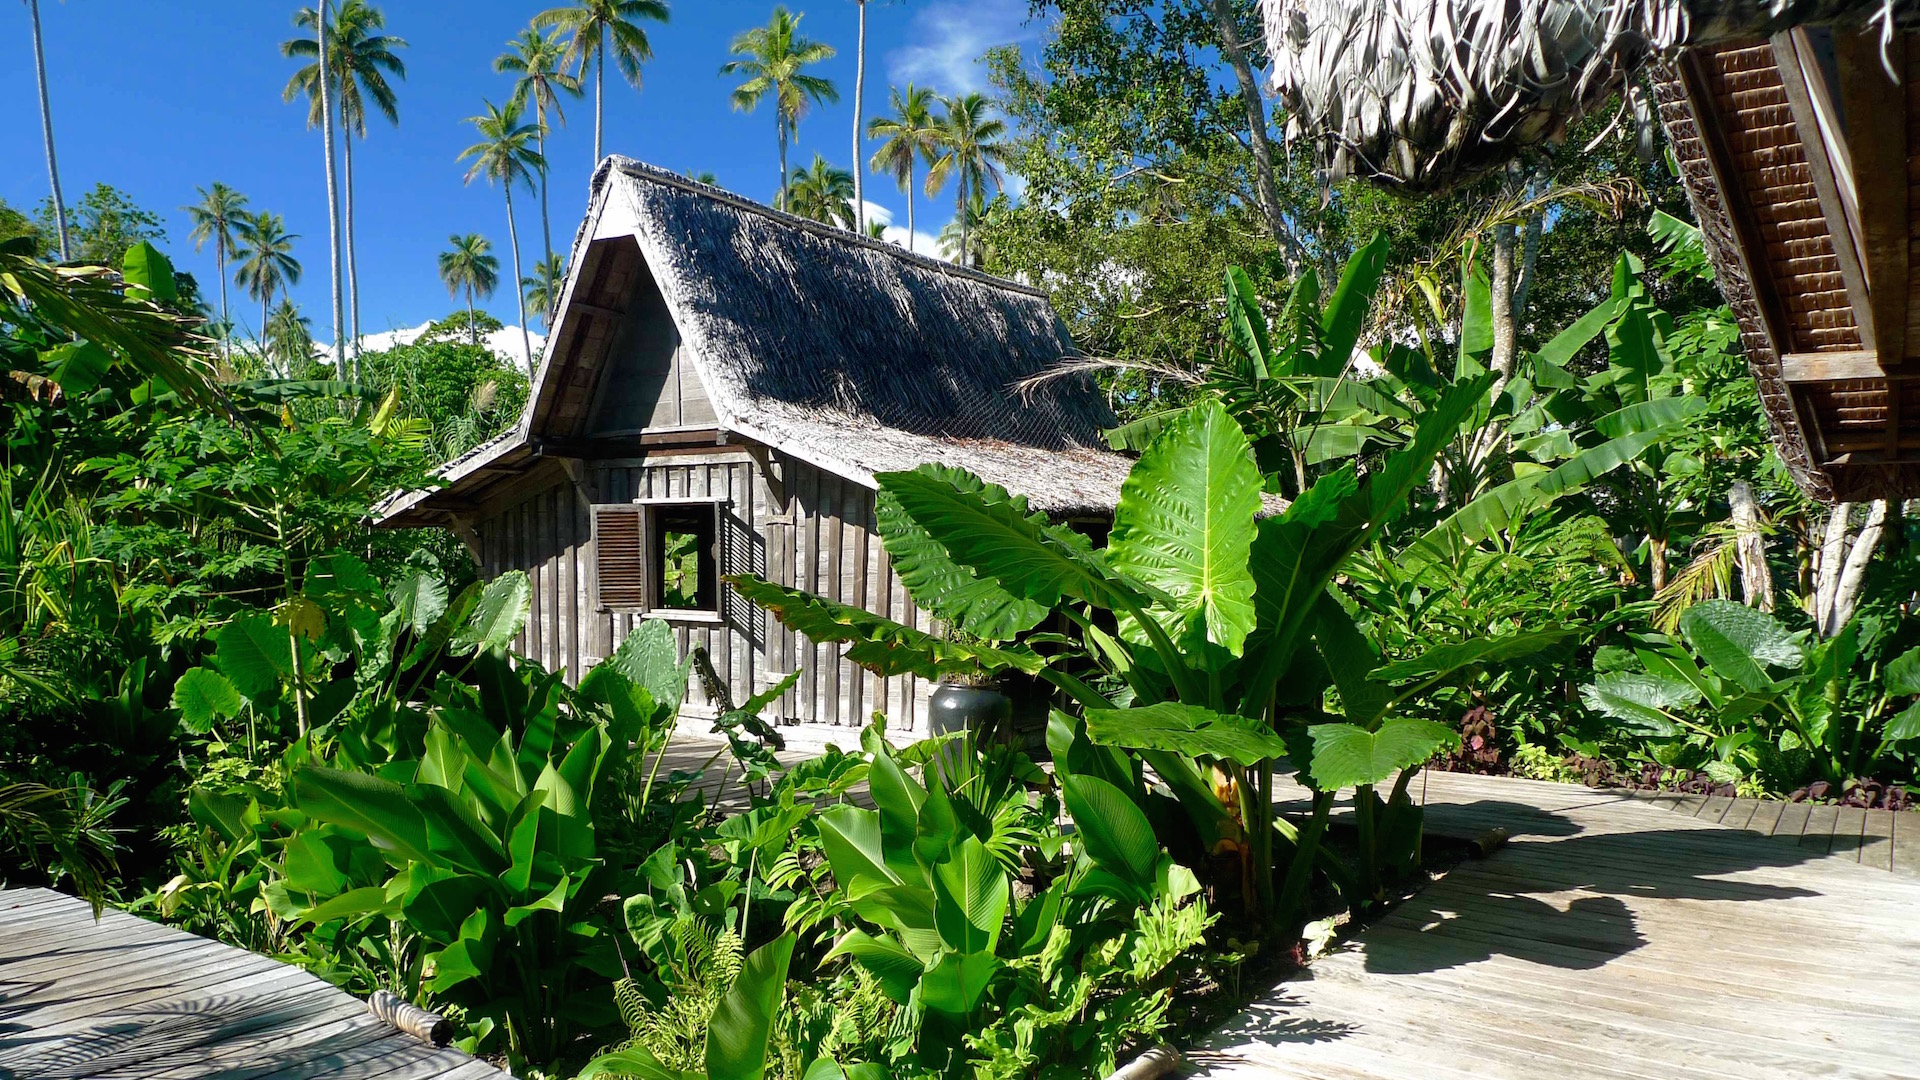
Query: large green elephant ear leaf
[743, 1023]
[994, 535]
[952, 592]
[877, 643]
[204, 697]
[1188, 730]
[1185, 524]
[1643, 702]
[1348, 755]
[499, 616]
[650, 659]
[253, 654]
[1740, 643]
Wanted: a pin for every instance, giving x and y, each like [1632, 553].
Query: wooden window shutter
[619, 537]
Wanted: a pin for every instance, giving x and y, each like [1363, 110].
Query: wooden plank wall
[823, 541]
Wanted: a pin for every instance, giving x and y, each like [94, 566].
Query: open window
[659, 557]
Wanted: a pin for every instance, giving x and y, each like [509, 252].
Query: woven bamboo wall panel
[1777, 185]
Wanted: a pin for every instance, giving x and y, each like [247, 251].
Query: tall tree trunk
[546, 230]
[1750, 551]
[966, 258]
[909, 203]
[780, 120]
[599, 95]
[226, 321]
[333, 192]
[1843, 566]
[1529, 256]
[473, 331]
[520, 298]
[353, 263]
[859, 100]
[46, 129]
[1263, 183]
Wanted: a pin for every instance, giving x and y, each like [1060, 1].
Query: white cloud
[948, 38]
[504, 343]
[924, 243]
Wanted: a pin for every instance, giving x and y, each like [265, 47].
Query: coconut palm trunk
[519, 297]
[859, 99]
[473, 331]
[599, 105]
[546, 229]
[333, 193]
[226, 321]
[780, 121]
[353, 262]
[909, 205]
[46, 129]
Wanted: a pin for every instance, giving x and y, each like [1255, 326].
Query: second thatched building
[722, 384]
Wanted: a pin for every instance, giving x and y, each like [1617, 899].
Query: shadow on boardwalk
[1604, 927]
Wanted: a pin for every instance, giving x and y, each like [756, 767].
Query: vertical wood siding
[822, 541]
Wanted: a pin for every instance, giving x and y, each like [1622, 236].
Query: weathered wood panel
[821, 538]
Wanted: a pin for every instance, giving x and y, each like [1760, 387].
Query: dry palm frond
[1427, 94]
[1708, 577]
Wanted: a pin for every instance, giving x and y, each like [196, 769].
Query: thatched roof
[841, 350]
[1428, 94]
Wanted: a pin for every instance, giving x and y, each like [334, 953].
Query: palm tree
[859, 101]
[505, 153]
[822, 193]
[288, 340]
[265, 258]
[469, 265]
[46, 128]
[971, 153]
[362, 58]
[958, 241]
[592, 28]
[543, 287]
[219, 216]
[538, 60]
[774, 57]
[911, 134]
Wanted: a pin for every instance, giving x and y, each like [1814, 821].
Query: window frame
[651, 572]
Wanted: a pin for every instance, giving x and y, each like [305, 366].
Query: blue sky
[157, 99]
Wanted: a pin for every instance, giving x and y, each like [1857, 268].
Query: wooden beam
[1814, 117]
[776, 482]
[596, 309]
[1876, 137]
[1829, 367]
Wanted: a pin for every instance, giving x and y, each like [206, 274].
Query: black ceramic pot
[968, 708]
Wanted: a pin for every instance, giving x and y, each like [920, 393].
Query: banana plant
[1739, 696]
[1200, 598]
[1564, 434]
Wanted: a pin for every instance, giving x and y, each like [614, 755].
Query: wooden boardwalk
[1885, 839]
[128, 999]
[1611, 938]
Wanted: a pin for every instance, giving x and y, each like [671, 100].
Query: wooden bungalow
[722, 384]
[1796, 126]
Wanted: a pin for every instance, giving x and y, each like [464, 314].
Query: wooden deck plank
[1821, 821]
[1613, 938]
[122, 998]
[1876, 839]
[1906, 843]
[1849, 826]
[1766, 816]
